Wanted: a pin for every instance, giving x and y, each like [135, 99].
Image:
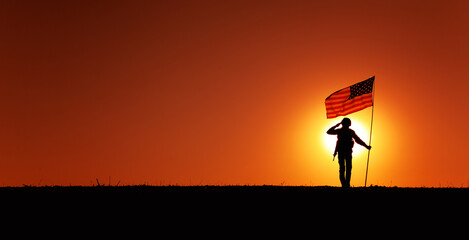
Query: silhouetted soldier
[345, 137]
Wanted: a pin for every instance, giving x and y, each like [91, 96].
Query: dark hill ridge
[248, 196]
[267, 198]
[236, 191]
[243, 205]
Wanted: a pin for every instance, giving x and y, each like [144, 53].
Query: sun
[329, 141]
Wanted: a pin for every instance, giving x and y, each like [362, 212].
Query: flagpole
[371, 130]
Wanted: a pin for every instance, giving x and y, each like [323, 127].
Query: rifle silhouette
[335, 151]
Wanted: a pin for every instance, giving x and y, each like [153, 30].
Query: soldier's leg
[348, 168]
[342, 169]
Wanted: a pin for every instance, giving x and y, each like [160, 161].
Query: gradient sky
[229, 92]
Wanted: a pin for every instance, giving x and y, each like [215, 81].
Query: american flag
[350, 99]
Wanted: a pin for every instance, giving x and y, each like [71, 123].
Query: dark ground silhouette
[315, 192]
[210, 207]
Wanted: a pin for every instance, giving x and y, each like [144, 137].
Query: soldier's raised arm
[332, 130]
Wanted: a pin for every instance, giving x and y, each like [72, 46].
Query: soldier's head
[346, 123]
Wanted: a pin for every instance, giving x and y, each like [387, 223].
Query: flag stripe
[364, 98]
[340, 94]
[350, 108]
[346, 107]
[350, 103]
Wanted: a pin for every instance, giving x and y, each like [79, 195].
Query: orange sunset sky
[230, 92]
